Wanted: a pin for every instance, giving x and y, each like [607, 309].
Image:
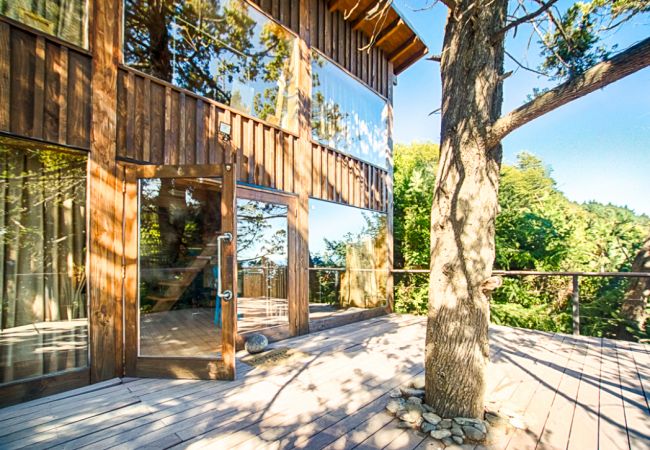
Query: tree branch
[523, 19]
[623, 64]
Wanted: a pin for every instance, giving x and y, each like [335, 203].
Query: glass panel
[222, 49]
[43, 319]
[179, 225]
[262, 258]
[346, 115]
[348, 258]
[65, 19]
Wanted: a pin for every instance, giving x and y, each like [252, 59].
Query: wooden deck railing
[575, 278]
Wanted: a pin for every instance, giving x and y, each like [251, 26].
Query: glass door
[182, 301]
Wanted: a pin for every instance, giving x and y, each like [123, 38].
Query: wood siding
[343, 179]
[287, 12]
[44, 88]
[161, 124]
[337, 38]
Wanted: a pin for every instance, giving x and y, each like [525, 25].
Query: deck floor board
[573, 392]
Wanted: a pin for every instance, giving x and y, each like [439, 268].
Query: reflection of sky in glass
[333, 222]
[270, 240]
[346, 115]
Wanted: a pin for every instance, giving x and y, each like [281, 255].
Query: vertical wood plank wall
[337, 39]
[44, 88]
[287, 12]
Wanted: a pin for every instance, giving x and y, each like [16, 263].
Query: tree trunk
[465, 206]
[635, 304]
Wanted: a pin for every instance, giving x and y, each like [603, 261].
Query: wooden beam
[411, 60]
[399, 51]
[105, 221]
[356, 23]
[388, 31]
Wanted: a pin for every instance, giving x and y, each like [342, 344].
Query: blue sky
[598, 146]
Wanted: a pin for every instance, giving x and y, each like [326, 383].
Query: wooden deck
[578, 393]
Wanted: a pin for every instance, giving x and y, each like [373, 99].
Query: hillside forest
[538, 229]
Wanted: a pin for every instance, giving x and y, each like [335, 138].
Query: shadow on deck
[574, 392]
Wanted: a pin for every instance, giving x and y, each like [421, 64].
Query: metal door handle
[226, 295]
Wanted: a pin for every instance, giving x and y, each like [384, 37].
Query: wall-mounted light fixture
[224, 130]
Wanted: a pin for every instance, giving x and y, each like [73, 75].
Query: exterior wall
[57, 93]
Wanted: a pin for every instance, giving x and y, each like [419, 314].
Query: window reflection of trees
[222, 49]
[349, 270]
[346, 115]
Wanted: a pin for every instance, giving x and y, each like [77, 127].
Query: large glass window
[346, 115]
[348, 258]
[222, 49]
[43, 319]
[65, 19]
[262, 259]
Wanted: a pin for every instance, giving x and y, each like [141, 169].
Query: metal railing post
[575, 305]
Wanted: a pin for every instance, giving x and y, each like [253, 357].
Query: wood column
[302, 161]
[390, 300]
[105, 198]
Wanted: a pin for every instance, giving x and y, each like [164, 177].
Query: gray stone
[256, 343]
[428, 427]
[445, 423]
[448, 442]
[418, 383]
[427, 408]
[395, 404]
[432, 418]
[476, 423]
[458, 440]
[412, 413]
[457, 431]
[402, 424]
[410, 392]
[395, 394]
[473, 433]
[440, 434]
[414, 400]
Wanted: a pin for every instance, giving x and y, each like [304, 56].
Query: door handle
[226, 295]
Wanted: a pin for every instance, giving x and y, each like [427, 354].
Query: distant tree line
[538, 228]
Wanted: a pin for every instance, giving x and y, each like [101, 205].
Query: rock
[476, 423]
[395, 404]
[414, 400]
[427, 408]
[413, 413]
[457, 439]
[457, 431]
[440, 434]
[418, 383]
[410, 392]
[448, 442]
[256, 343]
[445, 423]
[395, 394]
[427, 427]
[473, 433]
[432, 418]
[403, 424]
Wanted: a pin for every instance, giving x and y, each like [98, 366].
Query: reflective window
[180, 221]
[65, 19]
[222, 49]
[346, 115]
[43, 319]
[262, 257]
[348, 258]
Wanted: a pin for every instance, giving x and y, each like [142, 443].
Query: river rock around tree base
[447, 433]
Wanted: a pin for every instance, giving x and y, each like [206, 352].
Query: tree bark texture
[465, 206]
[635, 305]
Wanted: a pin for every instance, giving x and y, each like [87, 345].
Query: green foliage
[538, 228]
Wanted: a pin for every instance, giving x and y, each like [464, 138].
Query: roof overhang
[391, 31]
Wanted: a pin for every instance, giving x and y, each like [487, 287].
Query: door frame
[279, 332]
[180, 367]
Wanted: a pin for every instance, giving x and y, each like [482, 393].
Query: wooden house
[175, 175]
